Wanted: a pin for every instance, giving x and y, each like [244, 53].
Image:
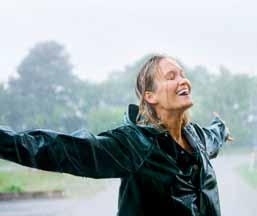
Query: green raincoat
[152, 181]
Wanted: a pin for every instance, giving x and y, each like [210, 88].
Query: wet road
[236, 197]
[105, 203]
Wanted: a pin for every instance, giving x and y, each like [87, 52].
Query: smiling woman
[167, 93]
[170, 97]
[161, 157]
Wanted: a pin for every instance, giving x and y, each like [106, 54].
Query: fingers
[230, 138]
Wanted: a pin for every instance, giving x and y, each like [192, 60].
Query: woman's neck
[173, 123]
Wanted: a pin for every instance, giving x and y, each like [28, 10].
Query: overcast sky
[102, 36]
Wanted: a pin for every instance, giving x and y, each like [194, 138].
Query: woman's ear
[150, 97]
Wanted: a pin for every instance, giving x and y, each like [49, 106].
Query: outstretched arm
[107, 155]
[214, 136]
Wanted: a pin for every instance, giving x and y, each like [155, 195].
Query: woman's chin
[188, 105]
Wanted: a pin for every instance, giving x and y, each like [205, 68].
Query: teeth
[183, 92]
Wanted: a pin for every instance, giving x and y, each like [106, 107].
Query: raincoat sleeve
[107, 155]
[214, 136]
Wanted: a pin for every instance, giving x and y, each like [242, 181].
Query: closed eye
[170, 75]
[171, 78]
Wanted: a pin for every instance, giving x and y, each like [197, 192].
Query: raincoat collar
[130, 119]
[131, 116]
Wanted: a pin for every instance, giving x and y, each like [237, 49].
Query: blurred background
[69, 65]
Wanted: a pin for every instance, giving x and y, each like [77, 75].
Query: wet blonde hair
[146, 82]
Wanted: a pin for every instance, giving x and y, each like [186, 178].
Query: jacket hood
[131, 116]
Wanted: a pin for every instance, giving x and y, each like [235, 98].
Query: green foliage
[119, 88]
[234, 102]
[43, 93]
[48, 95]
[9, 183]
[29, 180]
[104, 118]
[13, 189]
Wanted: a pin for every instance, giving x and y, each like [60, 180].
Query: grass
[249, 176]
[28, 180]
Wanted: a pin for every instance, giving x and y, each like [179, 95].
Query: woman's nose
[184, 81]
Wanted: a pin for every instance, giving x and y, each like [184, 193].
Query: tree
[119, 88]
[43, 91]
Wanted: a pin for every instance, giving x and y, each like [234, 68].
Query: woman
[163, 160]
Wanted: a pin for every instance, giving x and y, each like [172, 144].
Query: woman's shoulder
[196, 132]
[133, 134]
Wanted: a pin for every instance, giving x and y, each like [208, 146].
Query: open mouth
[183, 92]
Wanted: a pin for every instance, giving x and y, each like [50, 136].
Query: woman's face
[173, 90]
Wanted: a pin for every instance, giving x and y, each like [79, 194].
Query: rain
[69, 68]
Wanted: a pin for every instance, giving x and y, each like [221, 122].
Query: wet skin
[171, 98]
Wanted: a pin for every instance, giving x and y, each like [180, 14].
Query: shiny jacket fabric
[152, 183]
